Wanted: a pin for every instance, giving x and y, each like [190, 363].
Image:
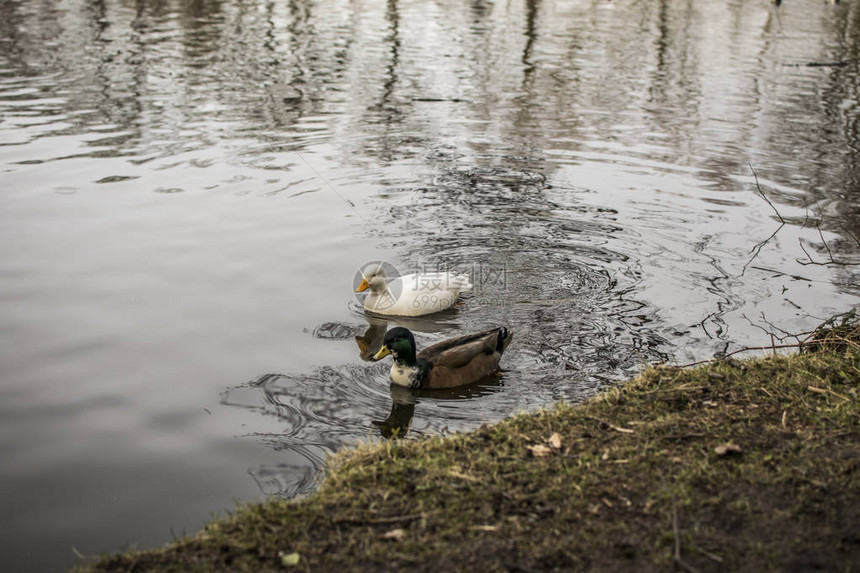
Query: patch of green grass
[737, 465]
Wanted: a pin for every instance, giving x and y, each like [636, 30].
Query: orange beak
[363, 286]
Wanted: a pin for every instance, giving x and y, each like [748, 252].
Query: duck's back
[419, 294]
[466, 359]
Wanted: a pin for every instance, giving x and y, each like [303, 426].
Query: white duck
[411, 295]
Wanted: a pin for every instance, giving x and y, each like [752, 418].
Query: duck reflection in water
[371, 341]
[399, 420]
[404, 400]
[369, 336]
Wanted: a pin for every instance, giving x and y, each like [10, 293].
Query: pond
[187, 189]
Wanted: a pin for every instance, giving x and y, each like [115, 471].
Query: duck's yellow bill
[383, 352]
[363, 286]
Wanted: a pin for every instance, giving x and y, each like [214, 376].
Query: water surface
[187, 189]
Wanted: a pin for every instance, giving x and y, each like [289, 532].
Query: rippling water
[188, 188]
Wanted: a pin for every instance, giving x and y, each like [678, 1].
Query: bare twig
[811, 260]
[775, 327]
[763, 196]
[704, 320]
[739, 350]
[832, 261]
[757, 249]
[808, 342]
[850, 234]
[772, 333]
[829, 322]
[754, 325]
[826, 64]
[795, 277]
[817, 64]
[820, 234]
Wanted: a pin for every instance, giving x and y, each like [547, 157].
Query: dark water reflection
[187, 189]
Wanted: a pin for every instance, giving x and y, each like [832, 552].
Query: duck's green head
[400, 343]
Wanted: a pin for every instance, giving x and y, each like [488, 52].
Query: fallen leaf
[555, 441]
[484, 528]
[539, 451]
[289, 559]
[393, 535]
[727, 449]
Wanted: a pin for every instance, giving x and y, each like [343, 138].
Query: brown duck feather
[465, 359]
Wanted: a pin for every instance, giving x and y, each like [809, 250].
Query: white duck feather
[414, 294]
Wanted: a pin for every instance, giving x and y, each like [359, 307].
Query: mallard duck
[411, 295]
[453, 362]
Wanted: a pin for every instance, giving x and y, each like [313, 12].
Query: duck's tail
[459, 283]
[505, 338]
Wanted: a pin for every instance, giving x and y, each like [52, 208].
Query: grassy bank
[738, 465]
